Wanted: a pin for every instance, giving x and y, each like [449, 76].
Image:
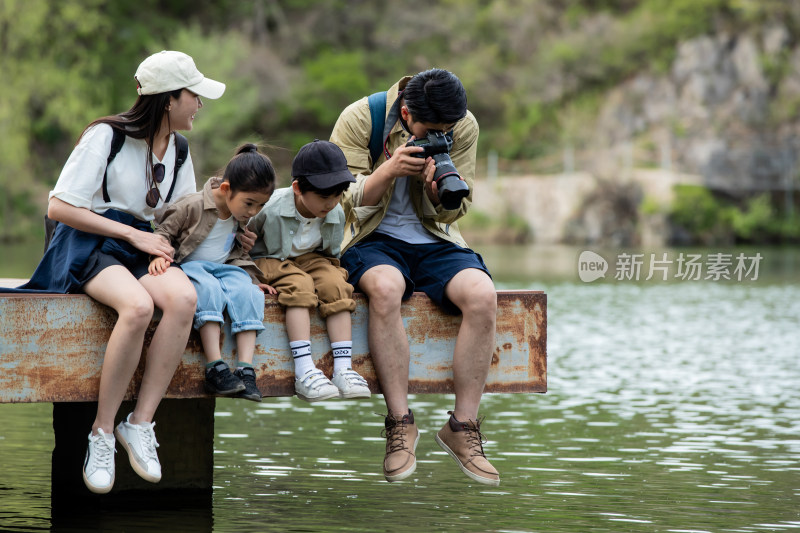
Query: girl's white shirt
[218, 244]
[81, 180]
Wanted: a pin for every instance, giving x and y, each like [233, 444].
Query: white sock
[301, 352]
[342, 355]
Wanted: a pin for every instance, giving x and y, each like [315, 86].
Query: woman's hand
[151, 244]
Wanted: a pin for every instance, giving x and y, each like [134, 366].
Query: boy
[300, 231]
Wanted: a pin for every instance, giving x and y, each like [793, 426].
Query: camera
[451, 187]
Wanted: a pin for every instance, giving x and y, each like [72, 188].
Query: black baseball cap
[323, 164]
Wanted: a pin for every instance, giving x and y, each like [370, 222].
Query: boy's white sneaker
[315, 387]
[98, 466]
[351, 384]
[139, 440]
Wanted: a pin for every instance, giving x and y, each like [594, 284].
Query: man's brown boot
[464, 442]
[401, 443]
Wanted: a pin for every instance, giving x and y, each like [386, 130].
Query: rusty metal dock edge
[51, 348]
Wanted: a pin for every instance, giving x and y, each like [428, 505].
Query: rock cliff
[728, 110]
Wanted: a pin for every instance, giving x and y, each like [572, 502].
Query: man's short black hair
[436, 96]
[306, 186]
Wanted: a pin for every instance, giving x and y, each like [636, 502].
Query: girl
[203, 227]
[111, 206]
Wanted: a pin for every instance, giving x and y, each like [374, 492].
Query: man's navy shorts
[426, 267]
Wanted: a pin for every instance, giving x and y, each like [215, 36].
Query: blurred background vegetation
[538, 75]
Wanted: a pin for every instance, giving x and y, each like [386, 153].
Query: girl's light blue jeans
[223, 287]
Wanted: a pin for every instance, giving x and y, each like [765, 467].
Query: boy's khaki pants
[309, 280]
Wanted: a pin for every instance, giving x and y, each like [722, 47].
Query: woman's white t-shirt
[81, 180]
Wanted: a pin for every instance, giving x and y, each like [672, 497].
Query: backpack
[377, 111]
[117, 140]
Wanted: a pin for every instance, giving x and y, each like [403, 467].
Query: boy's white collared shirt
[308, 237]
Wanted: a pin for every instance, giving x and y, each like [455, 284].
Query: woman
[113, 204]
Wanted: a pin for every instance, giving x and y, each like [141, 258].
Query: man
[398, 239]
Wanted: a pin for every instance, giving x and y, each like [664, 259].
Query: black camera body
[451, 187]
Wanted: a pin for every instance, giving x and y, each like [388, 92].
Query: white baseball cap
[169, 70]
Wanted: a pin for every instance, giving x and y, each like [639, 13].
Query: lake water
[671, 406]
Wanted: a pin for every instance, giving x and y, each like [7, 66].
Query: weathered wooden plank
[51, 348]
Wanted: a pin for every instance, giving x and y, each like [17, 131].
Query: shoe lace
[102, 453]
[475, 439]
[148, 439]
[394, 433]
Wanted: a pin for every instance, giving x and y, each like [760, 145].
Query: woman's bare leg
[116, 287]
[173, 293]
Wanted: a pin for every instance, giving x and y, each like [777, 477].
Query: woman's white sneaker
[315, 387]
[139, 440]
[98, 466]
[351, 384]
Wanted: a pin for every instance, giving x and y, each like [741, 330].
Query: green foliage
[535, 72]
[710, 220]
[695, 209]
[475, 219]
[332, 78]
[506, 227]
[221, 124]
[756, 219]
[788, 227]
[46, 91]
[651, 206]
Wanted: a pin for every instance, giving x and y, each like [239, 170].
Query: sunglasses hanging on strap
[153, 195]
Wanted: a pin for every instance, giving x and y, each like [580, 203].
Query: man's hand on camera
[404, 163]
[431, 189]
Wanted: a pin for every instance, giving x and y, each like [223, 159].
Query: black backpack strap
[181, 153]
[49, 229]
[116, 145]
[377, 111]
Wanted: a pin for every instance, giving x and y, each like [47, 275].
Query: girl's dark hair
[436, 96]
[249, 171]
[142, 121]
[305, 186]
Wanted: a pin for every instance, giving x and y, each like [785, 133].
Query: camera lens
[448, 182]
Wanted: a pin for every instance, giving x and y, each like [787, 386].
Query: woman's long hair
[142, 121]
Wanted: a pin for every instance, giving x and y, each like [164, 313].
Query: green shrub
[697, 211]
[650, 206]
[756, 220]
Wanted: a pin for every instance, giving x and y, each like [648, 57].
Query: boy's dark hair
[436, 96]
[306, 186]
[250, 171]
